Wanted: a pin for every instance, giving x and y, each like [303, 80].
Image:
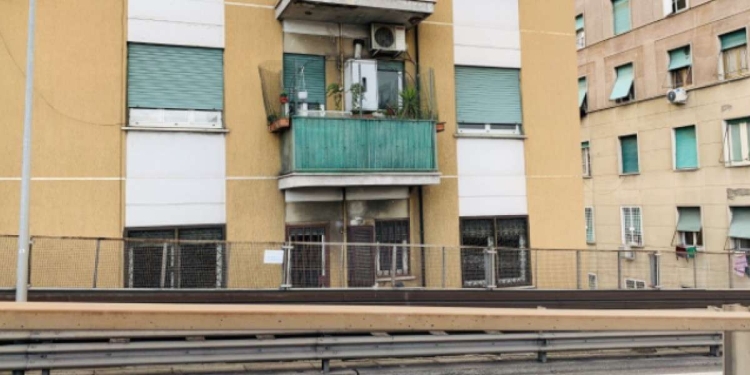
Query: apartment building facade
[273, 121]
[663, 100]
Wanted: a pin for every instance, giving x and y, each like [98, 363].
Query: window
[739, 228]
[171, 86]
[309, 266]
[580, 33]
[635, 284]
[589, 213]
[689, 227]
[390, 85]
[685, 148]
[488, 100]
[680, 67]
[623, 90]
[629, 154]
[733, 58]
[593, 281]
[655, 269]
[387, 234]
[586, 157]
[632, 228]
[175, 258]
[583, 95]
[674, 6]
[621, 15]
[305, 73]
[512, 263]
[736, 146]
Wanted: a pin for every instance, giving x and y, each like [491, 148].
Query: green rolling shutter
[733, 39]
[579, 22]
[621, 13]
[172, 77]
[488, 95]
[624, 82]
[740, 226]
[686, 149]
[735, 139]
[582, 90]
[629, 154]
[690, 219]
[313, 79]
[679, 58]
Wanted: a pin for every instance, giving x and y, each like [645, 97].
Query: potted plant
[276, 123]
[440, 127]
[335, 91]
[284, 97]
[409, 103]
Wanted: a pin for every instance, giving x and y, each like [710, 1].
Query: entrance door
[307, 257]
[361, 258]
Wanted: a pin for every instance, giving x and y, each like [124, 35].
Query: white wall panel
[179, 22]
[486, 33]
[491, 177]
[175, 179]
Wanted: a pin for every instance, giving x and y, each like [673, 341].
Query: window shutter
[679, 58]
[740, 226]
[667, 5]
[690, 219]
[582, 90]
[629, 149]
[172, 77]
[391, 66]
[313, 80]
[488, 95]
[621, 10]
[686, 150]
[733, 39]
[735, 139]
[624, 82]
[579, 22]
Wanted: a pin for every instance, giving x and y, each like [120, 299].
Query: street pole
[22, 273]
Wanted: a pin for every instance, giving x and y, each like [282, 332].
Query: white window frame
[160, 119]
[593, 281]
[674, 149]
[722, 73]
[623, 229]
[670, 7]
[684, 236]
[581, 38]
[745, 144]
[506, 129]
[586, 160]
[588, 213]
[636, 284]
[403, 271]
[619, 154]
[736, 243]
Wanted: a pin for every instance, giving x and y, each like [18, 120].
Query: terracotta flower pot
[440, 127]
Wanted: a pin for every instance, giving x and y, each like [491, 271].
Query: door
[361, 258]
[309, 266]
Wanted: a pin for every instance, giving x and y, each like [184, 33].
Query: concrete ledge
[72, 316]
[301, 180]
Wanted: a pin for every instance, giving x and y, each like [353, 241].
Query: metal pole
[695, 271]
[578, 269]
[22, 273]
[96, 261]
[393, 266]
[619, 269]
[163, 265]
[442, 282]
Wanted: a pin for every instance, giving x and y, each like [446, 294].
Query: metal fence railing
[58, 262]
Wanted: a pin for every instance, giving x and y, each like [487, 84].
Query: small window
[685, 148]
[589, 212]
[737, 145]
[632, 226]
[624, 89]
[635, 284]
[674, 6]
[510, 237]
[583, 101]
[580, 32]
[733, 58]
[593, 281]
[629, 163]
[586, 157]
[390, 86]
[655, 269]
[680, 67]
[739, 228]
[689, 226]
[621, 16]
[389, 234]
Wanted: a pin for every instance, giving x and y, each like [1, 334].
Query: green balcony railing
[359, 145]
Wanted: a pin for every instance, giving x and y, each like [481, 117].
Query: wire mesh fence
[309, 262]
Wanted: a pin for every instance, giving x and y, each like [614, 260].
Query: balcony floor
[299, 180]
[404, 12]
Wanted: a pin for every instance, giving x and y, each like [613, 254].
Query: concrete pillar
[736, 348]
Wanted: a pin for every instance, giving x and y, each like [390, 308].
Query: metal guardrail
[96, 353]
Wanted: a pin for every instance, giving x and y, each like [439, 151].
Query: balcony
[406, 12]
[358, 151]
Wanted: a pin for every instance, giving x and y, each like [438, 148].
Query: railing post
[286, 269]
[322, 260]
[96, 262]
[695, 271]
[578, 269]
[490, 259]
[393, 266]
[163, 266]
[730, 269]
[619, 269]
[442, 281]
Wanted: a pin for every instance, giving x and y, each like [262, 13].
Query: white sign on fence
[273, 257]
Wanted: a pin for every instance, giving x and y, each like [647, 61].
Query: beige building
[152, 118]
[663, 94]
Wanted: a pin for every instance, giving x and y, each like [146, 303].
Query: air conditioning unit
[387, 38]
[626, 252]
[677, 96]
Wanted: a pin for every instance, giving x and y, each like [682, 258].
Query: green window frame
[629, 160]
[621, 16]
[685, 148]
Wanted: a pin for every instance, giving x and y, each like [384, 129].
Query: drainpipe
[423, 267]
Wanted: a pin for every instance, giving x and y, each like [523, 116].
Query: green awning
[740, 227]
[624, 82]
[679, 58]
[733, 39]
[582, 90]
[690, 219]
[579, 22]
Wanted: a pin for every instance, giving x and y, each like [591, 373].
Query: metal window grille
[586, 157]
[589, 212]
[512, 259]
[306, 263]
[632, 227]
[387, 234]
